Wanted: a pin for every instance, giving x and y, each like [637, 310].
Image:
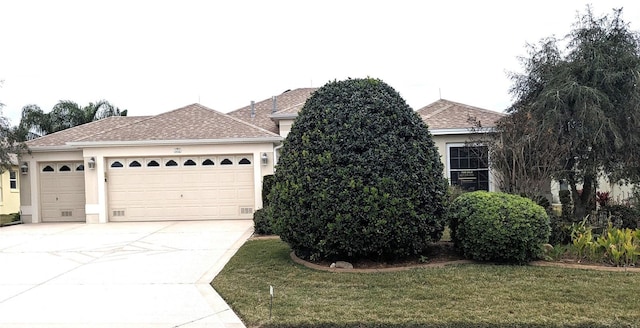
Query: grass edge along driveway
[470, 295]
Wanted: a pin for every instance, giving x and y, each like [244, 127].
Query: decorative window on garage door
[116, 164]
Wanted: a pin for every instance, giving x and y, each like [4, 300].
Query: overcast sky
[153, 56]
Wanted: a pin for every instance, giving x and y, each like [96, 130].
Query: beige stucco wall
[95, 185]
[285, 127]
[10, 201]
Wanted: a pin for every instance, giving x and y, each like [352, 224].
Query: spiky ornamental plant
[359, 176]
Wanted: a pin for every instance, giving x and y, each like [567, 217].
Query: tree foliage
[10, 146]
[359, 176]
[65, 114]
[585, 101]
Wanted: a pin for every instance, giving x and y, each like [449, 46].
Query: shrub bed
[498, 227]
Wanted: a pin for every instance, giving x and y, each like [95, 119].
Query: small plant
[582, 239]
[603, 198]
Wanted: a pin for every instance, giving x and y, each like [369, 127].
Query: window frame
[448, 168]
[13, 181]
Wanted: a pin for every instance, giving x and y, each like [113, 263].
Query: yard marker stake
[271, 302]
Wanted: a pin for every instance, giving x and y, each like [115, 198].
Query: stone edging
[394, 269]
[443, 264]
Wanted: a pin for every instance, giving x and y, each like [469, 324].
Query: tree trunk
[583, 201]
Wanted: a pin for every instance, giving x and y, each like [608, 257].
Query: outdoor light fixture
[264, 158]
[24, 168]
[91, 163]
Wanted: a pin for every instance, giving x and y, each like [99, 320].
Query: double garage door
[180, 188]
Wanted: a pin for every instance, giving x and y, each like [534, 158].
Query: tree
[359, 176]
[522, 160]
[65, 114]
[586, 99]
[10, 146]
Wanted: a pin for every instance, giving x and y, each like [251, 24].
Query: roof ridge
[473, 107]
[142, 118]
[445, 107]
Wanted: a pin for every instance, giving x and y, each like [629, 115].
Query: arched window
[207, 162]
[189, 163]
[171, 163]
[80, 167]
[64, 168]
[244, 161]
[47, 168]
[116, 164]
[226, 161]
[135, 164]
[153, 163]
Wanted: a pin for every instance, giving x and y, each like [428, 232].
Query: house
[10, 189]
[194, 163]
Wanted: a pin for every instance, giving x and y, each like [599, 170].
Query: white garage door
[180, 188]
[62, 192]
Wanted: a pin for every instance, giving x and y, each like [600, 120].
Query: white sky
[153, 56]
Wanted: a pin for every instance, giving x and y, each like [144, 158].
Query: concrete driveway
[152, 274]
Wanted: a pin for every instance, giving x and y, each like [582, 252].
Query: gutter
[90, 144]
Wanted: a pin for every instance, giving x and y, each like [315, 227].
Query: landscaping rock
[341, 265]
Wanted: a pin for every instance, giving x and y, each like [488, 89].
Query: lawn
[456, 296]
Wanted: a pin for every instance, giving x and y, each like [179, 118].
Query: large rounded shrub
[492, 226]
[359, 176]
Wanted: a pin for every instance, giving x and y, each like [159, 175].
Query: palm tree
[65, 114]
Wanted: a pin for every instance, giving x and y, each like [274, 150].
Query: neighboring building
[195, 163]
[10, 189]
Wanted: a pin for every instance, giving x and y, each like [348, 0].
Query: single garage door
[62, 192]
[180, 188]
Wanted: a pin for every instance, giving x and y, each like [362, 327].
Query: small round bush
[359, 176]
[263, 221]
[492, 226]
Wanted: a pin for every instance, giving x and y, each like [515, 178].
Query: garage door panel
[62, 196]
[181, 192]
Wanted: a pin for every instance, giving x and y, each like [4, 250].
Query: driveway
[152, 274]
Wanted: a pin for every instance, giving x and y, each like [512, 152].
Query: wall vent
[66, 213]
[246, 210]
[118, 213]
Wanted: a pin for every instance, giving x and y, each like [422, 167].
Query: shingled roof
[61, 138]
[290, 101]
[446, 114]
[192, 122]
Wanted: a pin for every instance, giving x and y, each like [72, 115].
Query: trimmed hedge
[488, 226]
[263, 218]
[359, 176]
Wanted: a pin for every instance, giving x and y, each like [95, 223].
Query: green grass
[454, 296]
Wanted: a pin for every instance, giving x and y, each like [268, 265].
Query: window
[469, 167]
[226, 161]
[13, 179]
[207, 162]
[47, 168]
[189, 163]
[153, 163]
[116, 164]
[65, 168]
[80, 167]
[171, 163]
[135, 164]
[244, 161]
